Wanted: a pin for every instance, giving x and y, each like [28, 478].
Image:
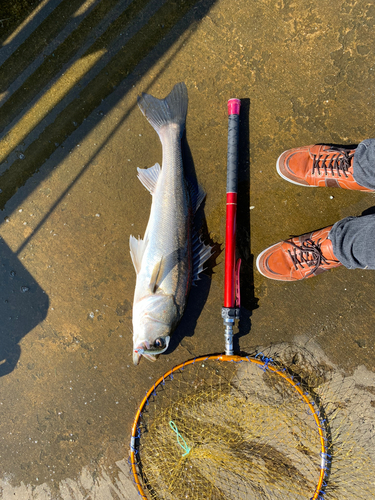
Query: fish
[171, 255]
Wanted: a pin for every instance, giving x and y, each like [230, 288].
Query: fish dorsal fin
[201, 253]
[137, 249]
[197, 195]
[155, 276]
[149, 177]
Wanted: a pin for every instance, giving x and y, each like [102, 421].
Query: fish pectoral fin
[149, 176]
[137, 249]
[165, 266]
[157, 273]
[201, 253]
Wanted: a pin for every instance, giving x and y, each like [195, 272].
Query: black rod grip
[232, 157]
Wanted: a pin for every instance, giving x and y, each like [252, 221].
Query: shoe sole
[287, 178]
[257, 264]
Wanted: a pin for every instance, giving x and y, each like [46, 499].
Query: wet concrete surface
[71, 139]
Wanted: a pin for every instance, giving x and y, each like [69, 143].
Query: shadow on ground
[57, 77]
[40, 109]
[23, 305]
[64, 65]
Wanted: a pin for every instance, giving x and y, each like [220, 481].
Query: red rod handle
[230, 251]
[232, 175]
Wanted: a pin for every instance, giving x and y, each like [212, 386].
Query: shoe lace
[335, 159]
[308, 253]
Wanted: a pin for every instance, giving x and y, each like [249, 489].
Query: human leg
[364, 164]
[299, 257]
[353, 241]
[323, 165]
[349, 242]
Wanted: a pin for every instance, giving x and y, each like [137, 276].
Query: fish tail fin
[169, 111]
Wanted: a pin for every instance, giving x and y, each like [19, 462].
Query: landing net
[230, 428]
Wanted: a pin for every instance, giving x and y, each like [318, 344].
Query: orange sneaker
[299, 257]
[319, 165]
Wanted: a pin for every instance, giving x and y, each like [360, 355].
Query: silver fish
[171, 255]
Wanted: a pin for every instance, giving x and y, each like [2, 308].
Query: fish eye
[159, 343]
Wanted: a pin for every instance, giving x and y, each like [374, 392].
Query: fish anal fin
[149, 177]
[137, 248]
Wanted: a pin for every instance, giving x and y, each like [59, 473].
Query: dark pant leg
[353, 241]
[364, 164]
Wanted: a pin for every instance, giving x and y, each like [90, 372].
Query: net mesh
[227, 430]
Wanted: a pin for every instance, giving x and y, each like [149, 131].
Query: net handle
[230, 312]
[231, 205]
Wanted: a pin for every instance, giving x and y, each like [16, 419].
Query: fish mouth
[136, 358]
[140, 351]
[145, 349]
